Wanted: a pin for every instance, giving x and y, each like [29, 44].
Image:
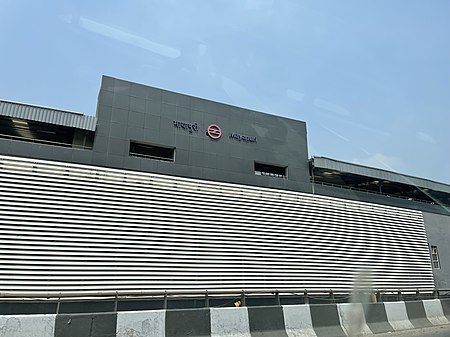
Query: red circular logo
[214, 131]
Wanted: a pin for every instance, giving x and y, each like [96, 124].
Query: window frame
[434, 253]
[144, 145]
[258, 166]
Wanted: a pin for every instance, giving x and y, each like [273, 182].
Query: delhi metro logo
[214, 131]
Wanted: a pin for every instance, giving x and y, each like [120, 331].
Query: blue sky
[371, 78]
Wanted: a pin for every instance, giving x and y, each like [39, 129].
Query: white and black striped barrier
[287, 320]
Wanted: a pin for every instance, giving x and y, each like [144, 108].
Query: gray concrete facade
[437, 227]
[132, 112]
[128, 111]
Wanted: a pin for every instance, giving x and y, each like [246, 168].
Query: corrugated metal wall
[74, 227]
[47, 115]
[337, 165]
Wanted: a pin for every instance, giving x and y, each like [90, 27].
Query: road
[437, 331]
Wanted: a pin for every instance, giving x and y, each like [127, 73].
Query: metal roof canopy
[47, 115]
[384, 175]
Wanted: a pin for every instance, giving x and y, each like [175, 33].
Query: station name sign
[213, 131]
[243, 138]
[191, 127]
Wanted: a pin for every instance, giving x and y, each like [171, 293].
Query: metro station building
[164, 191]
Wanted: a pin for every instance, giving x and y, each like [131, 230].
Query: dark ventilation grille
[270, 170]
[151, 151]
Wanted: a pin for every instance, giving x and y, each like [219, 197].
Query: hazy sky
[371, 78]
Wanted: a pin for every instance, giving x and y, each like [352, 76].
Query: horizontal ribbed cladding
[67, 227]
[48, 115]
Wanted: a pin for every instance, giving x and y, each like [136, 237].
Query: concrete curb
[285, 321]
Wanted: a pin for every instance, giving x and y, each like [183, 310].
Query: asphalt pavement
[436, 331]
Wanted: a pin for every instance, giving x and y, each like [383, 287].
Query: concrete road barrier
[446, 308]
[397, 315]
[27, 325]
[230, 322]
[141, 323]
[326, 321]
[313, 320]
[417, 315]
[188, 322]
[266, 321]
[297, 320]
[353, 319]
[434, 312]
[376, 318]
[86, 325]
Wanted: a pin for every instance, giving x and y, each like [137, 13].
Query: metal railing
[345, 187]
[278, 296]
[45, 142]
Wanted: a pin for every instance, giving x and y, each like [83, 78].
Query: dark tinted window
[270, 170]
[151, 151]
